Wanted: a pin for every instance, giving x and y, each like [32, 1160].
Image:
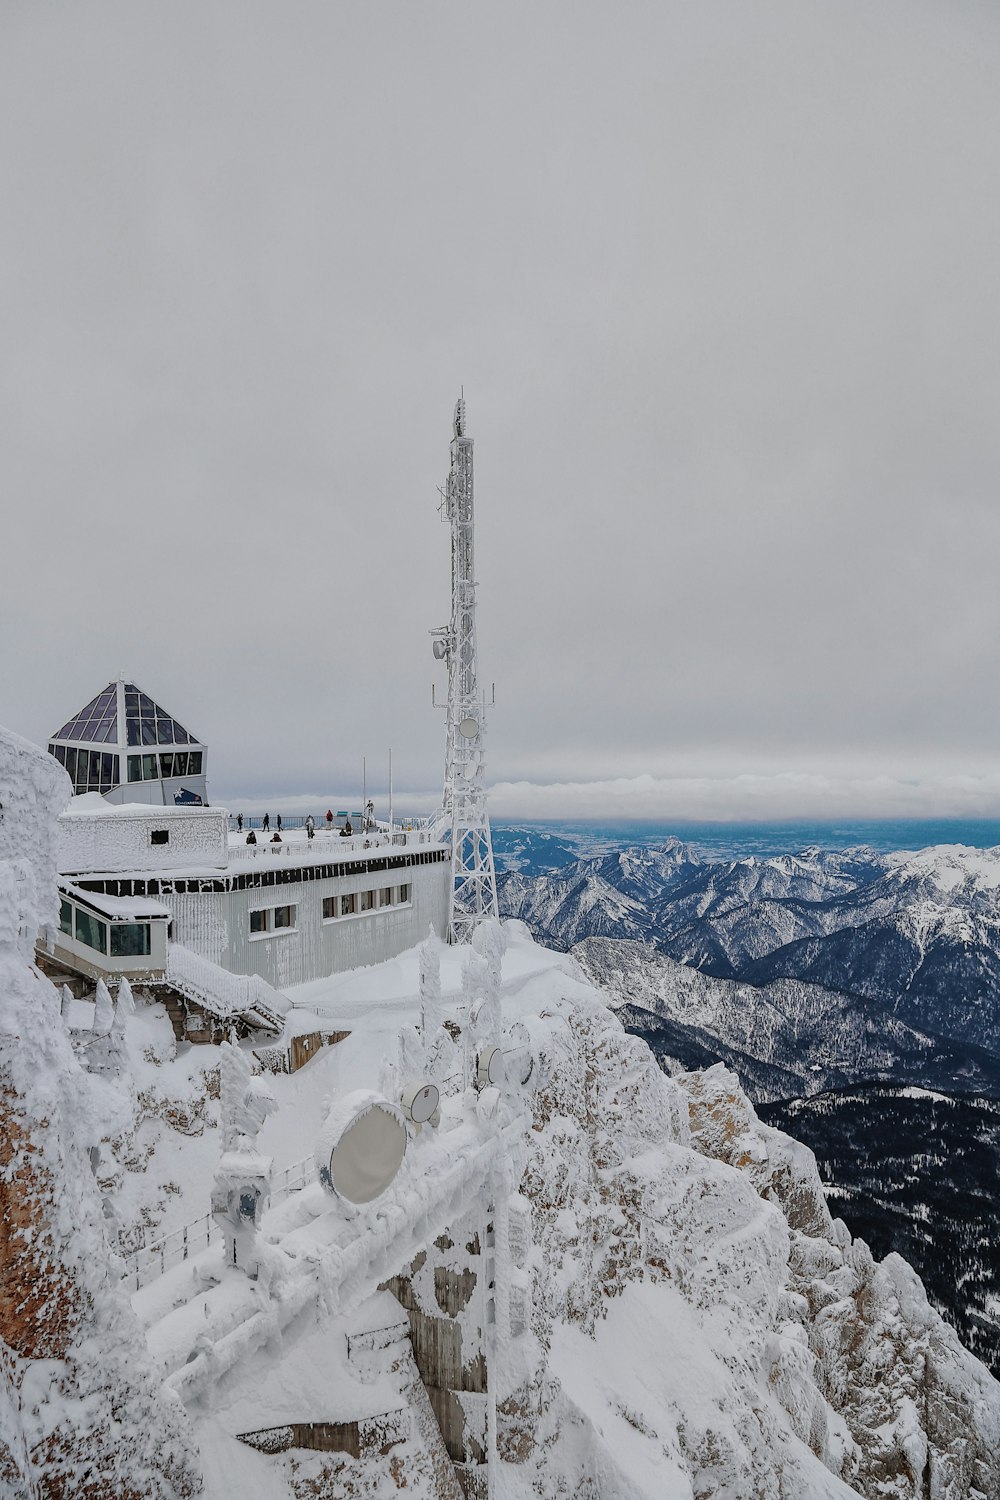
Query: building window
[135, 768]
[329, 907]
[260, 921]
[150, 770]
[385, 896]
[194, 763]
[166, 766]
[159, 836]
[180, 762]
[65, 917]
[404, 893]
[130, 939]
[348, 905]
[367, 901]
[284, 916]
[91, 932]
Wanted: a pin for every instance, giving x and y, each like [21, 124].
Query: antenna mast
[474, 882]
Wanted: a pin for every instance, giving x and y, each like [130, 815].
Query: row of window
[178, 763]
[283, 874]
[89, 770]
[357, 901]
[282, 918]
[128, 939]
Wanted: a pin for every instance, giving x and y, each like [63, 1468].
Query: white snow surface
[699, 1325]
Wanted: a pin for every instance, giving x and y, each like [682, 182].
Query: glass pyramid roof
[146, 723]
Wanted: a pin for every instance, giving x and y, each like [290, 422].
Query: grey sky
[721, 282]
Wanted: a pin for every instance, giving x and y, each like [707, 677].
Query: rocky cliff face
[82, 1416]
[703, 1319]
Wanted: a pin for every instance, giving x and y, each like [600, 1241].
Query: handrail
[328, 847]
[148, 1262]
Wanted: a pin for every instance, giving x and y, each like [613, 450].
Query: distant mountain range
[857, 995]
[918, 935]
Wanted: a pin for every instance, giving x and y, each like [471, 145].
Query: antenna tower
[474, 881]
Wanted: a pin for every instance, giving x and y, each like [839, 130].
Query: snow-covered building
[125, 746]
[289, 911]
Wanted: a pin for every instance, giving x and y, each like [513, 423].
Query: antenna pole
[474, 882]
[390, 789]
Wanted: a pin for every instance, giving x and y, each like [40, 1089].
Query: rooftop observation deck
[325, 847]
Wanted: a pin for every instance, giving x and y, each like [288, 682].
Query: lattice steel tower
[474, 881]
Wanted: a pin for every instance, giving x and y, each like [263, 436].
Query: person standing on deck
[266, 823]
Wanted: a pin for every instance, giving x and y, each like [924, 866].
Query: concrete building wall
[217, 924]
[129, 839]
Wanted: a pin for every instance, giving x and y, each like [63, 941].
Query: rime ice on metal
[474, 886]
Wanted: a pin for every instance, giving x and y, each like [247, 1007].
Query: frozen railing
[223, 993]
[326, 846]
[145, 1263]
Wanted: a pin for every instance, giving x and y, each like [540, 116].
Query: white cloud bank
[750, 798]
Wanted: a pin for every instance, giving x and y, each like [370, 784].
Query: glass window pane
[385, 896]
[109, 729]
[92, 932]
[65, 917]
[194, 763]
[133, 732]
[135, 768]
[166, 765]
[149, 768]
[180, 763]
[106, 771]
[148, 731]
[348, 905]
[115, 771]
[94, 774]
[258, 921]
[284, 916]
[130, 939]
[329, 906]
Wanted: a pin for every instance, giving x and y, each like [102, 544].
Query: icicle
[104, 1010]
[124, 1007]
[430, 986]
[66, 1002]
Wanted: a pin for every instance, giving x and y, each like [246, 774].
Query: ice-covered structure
[82, 1413]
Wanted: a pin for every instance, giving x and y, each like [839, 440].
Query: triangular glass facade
[98, 722]
[148, 724]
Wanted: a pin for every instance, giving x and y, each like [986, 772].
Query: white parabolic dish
[361, 1147]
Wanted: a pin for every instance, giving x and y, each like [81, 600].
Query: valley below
[856, 994]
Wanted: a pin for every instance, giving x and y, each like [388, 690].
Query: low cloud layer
[765, 798]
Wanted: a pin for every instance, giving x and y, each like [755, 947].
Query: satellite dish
[440, 649]
[420, 1101]
[361, 1147]
[490, 1071]
[469, 728]
[519, 1056]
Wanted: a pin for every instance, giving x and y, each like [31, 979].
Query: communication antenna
[474, 881]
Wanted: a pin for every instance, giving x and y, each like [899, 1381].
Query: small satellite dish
[490, 1071]
[440, 649]
[419, 1102]
[361, 1147]
[469, 728]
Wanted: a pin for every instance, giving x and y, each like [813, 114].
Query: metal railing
[256, 822]
[145, 1263]
[329, 846]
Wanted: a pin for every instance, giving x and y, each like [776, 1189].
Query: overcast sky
[721, 283]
